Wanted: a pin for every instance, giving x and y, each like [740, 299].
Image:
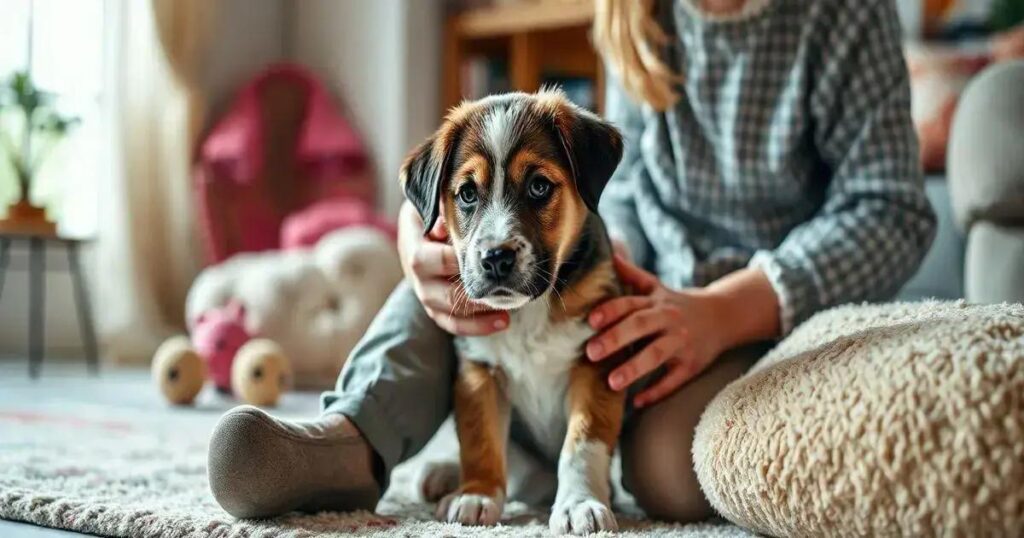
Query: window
[66, 57]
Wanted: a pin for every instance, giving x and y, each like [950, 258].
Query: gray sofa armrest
[986, 147]
[995, 263]
[986, 178]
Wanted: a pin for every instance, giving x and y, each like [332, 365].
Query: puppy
[520, 176]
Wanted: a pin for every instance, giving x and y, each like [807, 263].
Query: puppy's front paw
[470, 509]
[581, 516]
[437, 479]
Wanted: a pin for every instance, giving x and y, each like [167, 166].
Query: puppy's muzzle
[498, 264]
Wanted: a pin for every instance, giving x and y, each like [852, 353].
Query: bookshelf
[521, 45]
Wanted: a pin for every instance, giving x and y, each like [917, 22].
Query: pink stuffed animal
[220, 348]
[217, 336]
[305, 228]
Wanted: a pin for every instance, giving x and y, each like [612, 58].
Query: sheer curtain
[147, 251]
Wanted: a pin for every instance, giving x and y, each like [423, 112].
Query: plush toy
[315, 303]
[224, 351]
[304, 229]
[217, 335]
[308, 306]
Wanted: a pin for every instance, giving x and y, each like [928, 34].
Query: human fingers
[434, 260]
[635, 277]
[650, 358]
[476, 325]
[634, 327]
[439, 231]
[446, 296]
[613, 310]
[676, 376]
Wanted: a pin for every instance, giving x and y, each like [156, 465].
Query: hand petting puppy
[432, 269]
[687, 329]
[681, 326]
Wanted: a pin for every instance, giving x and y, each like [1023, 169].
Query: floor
[64, 383]
[15, 529]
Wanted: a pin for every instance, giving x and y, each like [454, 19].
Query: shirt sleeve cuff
[780, 281]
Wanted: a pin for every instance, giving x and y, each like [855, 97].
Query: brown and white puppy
[520, 176]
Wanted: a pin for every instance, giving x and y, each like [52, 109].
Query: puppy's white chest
[535, 356]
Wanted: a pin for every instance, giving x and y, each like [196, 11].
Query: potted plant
[25, 144]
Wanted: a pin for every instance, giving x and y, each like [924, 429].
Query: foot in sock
[260, 466]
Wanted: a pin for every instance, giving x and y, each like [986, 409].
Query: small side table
[37, 294]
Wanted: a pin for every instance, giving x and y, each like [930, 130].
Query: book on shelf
[483, 76]
[579, 90]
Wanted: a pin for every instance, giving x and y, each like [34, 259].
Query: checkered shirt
[792, 150]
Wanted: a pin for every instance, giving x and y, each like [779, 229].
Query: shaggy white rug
[902, 419]
[129, 471]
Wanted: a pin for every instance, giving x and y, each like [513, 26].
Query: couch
[978, 252]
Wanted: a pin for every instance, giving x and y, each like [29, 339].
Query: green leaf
[1006, 14]
[45, 124]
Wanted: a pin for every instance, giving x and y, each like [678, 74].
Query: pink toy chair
[281, 148]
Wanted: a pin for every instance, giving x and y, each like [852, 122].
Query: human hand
[684, 328]
[620, 248]
[431, 266]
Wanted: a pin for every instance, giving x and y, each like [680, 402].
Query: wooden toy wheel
[178, 370]
[261, 372]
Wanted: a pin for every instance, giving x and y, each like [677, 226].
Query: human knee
[660, 476]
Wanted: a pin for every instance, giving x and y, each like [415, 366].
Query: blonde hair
[629, 38]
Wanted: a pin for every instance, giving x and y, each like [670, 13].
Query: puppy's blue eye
[539, 188]
[467, 194]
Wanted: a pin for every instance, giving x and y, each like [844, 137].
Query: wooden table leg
[37, 304]
[85, 323]
[5, 256]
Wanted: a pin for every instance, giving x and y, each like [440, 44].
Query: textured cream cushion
[904, 419]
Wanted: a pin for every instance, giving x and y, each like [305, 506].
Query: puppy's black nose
[498, 263]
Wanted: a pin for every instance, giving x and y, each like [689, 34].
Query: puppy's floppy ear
[593, 148]
[423, 172]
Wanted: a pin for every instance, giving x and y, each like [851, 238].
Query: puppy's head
[516, 175]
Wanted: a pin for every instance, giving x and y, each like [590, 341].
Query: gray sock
[260, 466]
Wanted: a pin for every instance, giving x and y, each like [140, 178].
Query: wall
[61, 323]
[383, 58]
[250, 33]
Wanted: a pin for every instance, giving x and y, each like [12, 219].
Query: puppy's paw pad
[437, 479]
[582, 517]
[469, 509]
